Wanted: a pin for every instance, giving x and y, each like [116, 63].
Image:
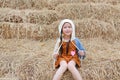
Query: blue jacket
[80, 46]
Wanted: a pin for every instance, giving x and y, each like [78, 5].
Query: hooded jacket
[77, 41]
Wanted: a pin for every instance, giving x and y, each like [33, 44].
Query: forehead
[67, 23]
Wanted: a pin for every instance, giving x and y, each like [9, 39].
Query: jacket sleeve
[56, 47]
[80, 46]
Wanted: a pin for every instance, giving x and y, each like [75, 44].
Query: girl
[67, 51]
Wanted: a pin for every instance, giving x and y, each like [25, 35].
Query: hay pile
[47, 4]
[31, 60]
[28, 16]
[42, 17]
[92, 28]
[54, 3]
[29, 28]
[102, 70]
[86, 28]
[100, 11]
[91, 18]
[97, 70]
[24, 4]
[25, 31]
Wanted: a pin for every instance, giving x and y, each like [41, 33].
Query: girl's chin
[67, 34]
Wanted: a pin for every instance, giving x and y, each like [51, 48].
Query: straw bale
[113, 2]
[55, 3]
[10, 30]
[49, 4]
[91, 28]
[29, 16]
[42, 17]
[15, 16]
[26, 31]
[24, 4]
[100, 11]
[86, 28]
[8, 65]
[102, 70]
[36, 68]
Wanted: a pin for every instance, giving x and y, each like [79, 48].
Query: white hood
[72, 24]
[57, 45]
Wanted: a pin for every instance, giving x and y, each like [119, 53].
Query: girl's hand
[81, 52]
[55, 56]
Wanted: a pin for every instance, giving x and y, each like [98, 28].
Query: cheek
[63, 30]
[71, 30]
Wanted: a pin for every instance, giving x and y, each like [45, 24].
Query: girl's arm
[56, 49]
[80, 48]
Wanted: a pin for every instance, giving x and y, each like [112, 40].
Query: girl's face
[67, 29]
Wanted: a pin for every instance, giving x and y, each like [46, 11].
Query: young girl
[67, 51]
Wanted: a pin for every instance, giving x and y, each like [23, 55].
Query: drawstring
[55, 58]
[59, 48]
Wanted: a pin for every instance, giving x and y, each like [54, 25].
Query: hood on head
[72, 24]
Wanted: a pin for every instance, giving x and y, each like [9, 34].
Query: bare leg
[60, 71]
[74, 71]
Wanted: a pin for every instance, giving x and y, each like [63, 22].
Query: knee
[63, 64]
[71, 65]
